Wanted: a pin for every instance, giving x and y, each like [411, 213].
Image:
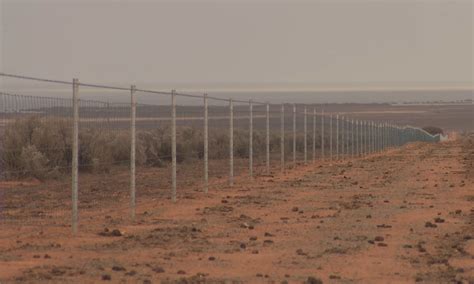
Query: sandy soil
[404, 216]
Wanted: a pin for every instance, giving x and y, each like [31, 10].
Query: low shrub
[42, 148]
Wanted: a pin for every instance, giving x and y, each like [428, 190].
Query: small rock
[118, 268]
[430, 225]
[181, 272]
[158, 269]
[439, 220]
[211, 258]
[300, 252]
[106, 277]
[295, 209]
[313, 280]
[384, 226]
[379, 239]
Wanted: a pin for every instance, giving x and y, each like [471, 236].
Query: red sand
[363, 221]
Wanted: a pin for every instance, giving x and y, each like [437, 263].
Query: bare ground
[404, 216]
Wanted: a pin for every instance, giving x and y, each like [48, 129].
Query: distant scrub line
[42, 147]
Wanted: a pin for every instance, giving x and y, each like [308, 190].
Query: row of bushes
[42, 148]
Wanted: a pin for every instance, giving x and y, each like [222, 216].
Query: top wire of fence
[182, 94]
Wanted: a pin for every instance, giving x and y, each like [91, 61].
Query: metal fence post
[364, 141]
[356, 138]
[375, 137]
[372, 137]
[346, 137]
[343, 138]
[352, 139]
[75, 154]
[366, 136]
[250, 139]
[173, 145]
[282, 137]
[383, 136]
[369, 137]
[378, 138]
[305, 141]
[268, 140]
[294, 134]
[231, 142]
[330, 138]
[337, 136]
[322, 136]
[133, 102]
[314, 135]
[360, 138]
[206, 144]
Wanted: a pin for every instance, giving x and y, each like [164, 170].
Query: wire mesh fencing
[77, 158]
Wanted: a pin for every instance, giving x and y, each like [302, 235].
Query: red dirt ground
[403, 216]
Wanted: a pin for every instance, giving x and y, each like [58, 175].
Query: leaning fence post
[267, 140]
[294, 134]
[75, 154]
[173, 145]
[305, 130]
[206, 145]
[282, 137]
[231, 142]
[250, 139]
[133, 113]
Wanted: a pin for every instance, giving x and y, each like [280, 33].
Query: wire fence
[66, 156]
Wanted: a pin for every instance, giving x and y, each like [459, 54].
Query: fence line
[350, 138]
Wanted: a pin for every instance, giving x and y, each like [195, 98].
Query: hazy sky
[242, 43]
